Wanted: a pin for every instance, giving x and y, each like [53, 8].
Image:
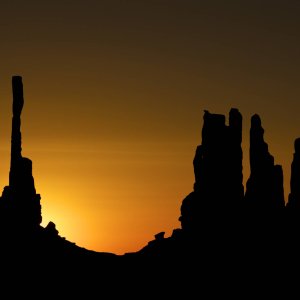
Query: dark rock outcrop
[19, 204]
[216, 214]
[294, 196]
[265, 184]
[218, 187]
[23, 240]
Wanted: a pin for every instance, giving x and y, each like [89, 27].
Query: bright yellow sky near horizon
[114, 98]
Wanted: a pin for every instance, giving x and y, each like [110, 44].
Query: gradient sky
[114, 98]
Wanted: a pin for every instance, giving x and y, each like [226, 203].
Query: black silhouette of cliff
[222, 228]
[24, 243]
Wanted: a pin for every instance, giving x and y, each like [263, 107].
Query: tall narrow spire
[20, 196]
[16, 137]
[264, 188]
[294, 196]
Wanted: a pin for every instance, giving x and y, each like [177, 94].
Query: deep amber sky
[114, 98]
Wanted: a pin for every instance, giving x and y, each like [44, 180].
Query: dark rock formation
[265, 185]
[217, 215]
[218, 162]
[23, 241]
[20, 204]
[218, 186]
[294, 196]
[225, 240]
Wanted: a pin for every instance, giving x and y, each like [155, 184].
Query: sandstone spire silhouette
[20, 204]
[265, 184]
[294, 196]
[21, 233]
[218, 170]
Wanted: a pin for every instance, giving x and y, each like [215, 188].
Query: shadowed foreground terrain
[233, 239]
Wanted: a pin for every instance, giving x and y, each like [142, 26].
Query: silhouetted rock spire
[20, 174]
[221, 183]
[294, 196]
[218, 169]
[20, 202]
[265, 184]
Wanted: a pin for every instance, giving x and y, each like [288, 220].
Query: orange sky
[114, 98]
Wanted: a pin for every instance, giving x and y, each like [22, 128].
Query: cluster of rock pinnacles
[218, 195]
[218, 172]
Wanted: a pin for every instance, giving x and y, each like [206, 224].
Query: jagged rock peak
[265, 184]
[294, 196]
[218, 168]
